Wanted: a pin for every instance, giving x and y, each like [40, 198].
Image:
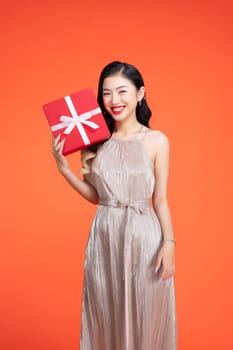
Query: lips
[117, 110]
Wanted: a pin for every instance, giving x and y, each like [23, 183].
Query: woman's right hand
[57, 147]
[83, 187]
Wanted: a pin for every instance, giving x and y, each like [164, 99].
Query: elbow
[94, 199]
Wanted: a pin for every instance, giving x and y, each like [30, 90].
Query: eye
[106, 93]
[122, 91]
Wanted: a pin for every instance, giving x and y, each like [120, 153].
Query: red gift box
[78, 119]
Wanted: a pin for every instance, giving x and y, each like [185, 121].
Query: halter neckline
[132, 137]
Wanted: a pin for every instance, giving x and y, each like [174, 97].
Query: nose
[115, 98]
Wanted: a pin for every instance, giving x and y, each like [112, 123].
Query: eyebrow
[119, 87]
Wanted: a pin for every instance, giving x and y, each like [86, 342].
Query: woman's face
[120, 97]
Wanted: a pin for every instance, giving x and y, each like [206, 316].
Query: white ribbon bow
[76, 121]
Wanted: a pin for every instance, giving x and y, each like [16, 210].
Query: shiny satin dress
[125, 305]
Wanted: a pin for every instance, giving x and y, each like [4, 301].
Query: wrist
[170, 241]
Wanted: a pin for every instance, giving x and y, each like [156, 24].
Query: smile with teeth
[117, 109]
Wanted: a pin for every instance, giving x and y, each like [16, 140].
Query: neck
[127, 127]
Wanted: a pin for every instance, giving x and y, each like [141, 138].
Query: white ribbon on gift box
[76, 121]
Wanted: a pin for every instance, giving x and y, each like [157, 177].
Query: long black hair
[143, 112]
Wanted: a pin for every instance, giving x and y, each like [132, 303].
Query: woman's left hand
[166, 258]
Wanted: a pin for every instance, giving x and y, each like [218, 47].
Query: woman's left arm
[166, 256]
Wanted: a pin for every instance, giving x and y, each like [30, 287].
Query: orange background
[53, 48]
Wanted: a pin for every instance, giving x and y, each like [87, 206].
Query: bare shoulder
[158, 136]
[157, 141]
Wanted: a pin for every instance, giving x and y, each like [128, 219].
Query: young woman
[128, 292]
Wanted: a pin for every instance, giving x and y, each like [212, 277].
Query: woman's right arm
[84, 188]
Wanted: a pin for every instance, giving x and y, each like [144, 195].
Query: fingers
[168, 271]
[159, 260]
[60, 147]
[57, 149]
[55, 140]
[168, 268]
[57, 145]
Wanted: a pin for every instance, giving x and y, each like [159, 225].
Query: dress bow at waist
[138, 205]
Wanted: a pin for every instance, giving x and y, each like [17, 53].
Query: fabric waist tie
[131, 246]
[138, 205]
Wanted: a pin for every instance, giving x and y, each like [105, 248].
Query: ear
[141, 93]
